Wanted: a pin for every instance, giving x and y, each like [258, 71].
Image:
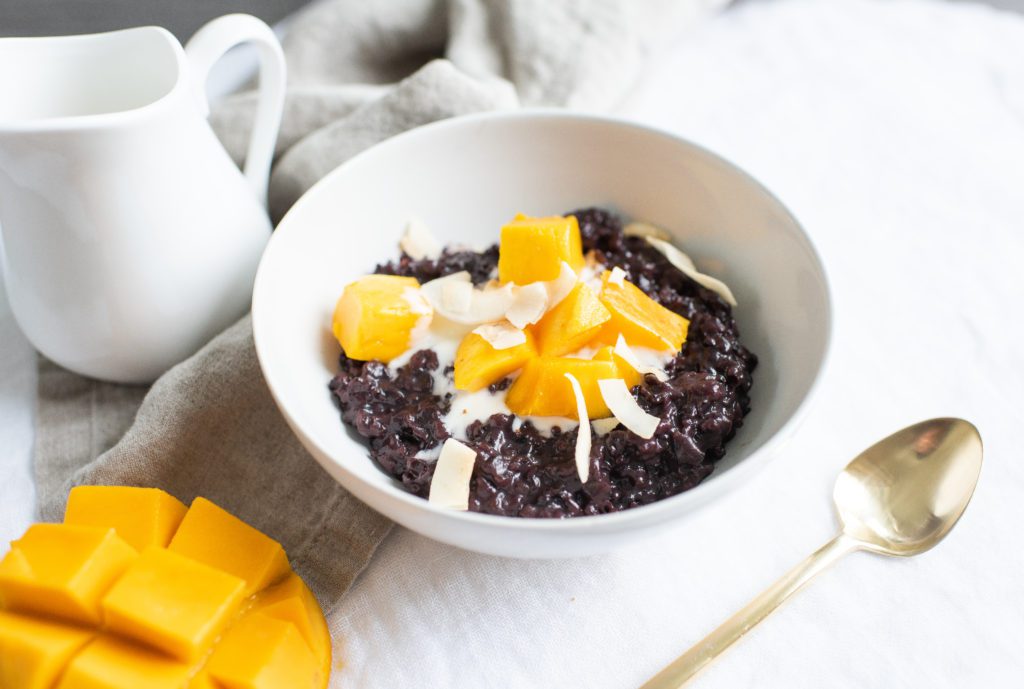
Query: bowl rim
[660, 510]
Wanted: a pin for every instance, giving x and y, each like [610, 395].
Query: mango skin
[81, 609]
[373, 319]
[642, 321]
[478, 364]
[571, 324]
[532, 249]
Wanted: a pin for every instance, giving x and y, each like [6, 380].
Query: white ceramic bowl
[465, 177]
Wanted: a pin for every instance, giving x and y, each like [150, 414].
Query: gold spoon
[901, 496]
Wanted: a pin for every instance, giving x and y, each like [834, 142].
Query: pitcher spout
[71, 82]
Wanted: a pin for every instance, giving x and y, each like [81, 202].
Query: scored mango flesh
[376, 316]
[136, 591]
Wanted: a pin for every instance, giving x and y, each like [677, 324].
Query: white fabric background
[895, 132]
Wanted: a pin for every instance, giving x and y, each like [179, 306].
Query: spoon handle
[686, 666]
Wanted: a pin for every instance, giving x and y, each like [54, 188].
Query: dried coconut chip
[617, 276]
[643, 229]
[449, 486]
[485, 305]
[685, 264]
[630, 357]
[604, 426]
[457, 296]
[529, 304]
[419, 305]
[418, 241]
[583, 436]
[559, 288]
[501, 335]
[618, 398]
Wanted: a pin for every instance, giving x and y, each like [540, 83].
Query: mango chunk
[33, 653]
[543, 390]
[262, 652]
[141, 516]
[110, 663]
[172, 603]
[532, 249]
[376, 316]
[478, 364]
[571, 324]
[63, 570]
[641, 320]
[215, 537]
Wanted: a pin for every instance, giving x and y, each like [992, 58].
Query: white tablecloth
[895, 131]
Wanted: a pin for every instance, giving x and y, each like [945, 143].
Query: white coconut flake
[630, 357]
[457, 296]
[434, 290]
[485, 305]
[529, 304]
[583, 436]
[685, 264]
[418, 304]
[618, 398]
[450, 485]
[617, 276]
[559, 288]
[491, 304]
[501, 335]
[603, 426]
[418, 241]
[643, 229]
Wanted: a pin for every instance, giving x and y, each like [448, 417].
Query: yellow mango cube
[63, 570]
[262, 652]
[478, 364]
[571, 324]
[170, 602]
[292, 601]
[213, 536]
[532, 249]
[376, 315]
[33, 652]
[141, 516]
[543, 390]
[111, 663]
[641, 320]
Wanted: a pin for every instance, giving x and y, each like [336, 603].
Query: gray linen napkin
[209, 426]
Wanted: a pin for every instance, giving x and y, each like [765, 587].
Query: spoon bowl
[902, 495]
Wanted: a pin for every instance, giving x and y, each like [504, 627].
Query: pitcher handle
[207, 46]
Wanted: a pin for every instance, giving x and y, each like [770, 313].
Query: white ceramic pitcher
[130, 238]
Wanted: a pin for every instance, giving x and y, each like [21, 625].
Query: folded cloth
[209, 426]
